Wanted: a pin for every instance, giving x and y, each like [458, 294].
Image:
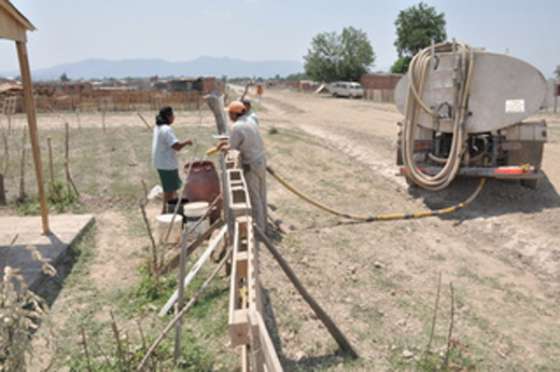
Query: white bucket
[193, 212]
[163, 222]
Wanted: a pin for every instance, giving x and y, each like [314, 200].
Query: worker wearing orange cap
[246, 138]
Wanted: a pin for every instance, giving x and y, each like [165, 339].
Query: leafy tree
[401, 65]
[296, 77]
[64, 78]
[416, 27]
[345, 56]
[557, 72]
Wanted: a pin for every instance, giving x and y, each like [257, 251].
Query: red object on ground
[203, 184]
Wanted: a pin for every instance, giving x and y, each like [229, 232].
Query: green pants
[170, 180]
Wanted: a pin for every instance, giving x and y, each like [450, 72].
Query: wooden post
[51, 167]
[78, 117]
[69, 181]
[4, 170]
[22, 167]
[180, 280]
[29, 105]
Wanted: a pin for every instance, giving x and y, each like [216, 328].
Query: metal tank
[499, 141]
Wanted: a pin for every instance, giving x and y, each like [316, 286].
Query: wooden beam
[173, 260]
[33, 131]
[339, 337]
[270, 357]
[194, 270]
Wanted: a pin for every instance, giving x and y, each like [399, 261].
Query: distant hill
[202, 66]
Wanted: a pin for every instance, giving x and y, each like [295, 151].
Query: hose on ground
[379, 217]
[417, 74]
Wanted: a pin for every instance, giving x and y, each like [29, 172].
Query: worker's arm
[177, 146]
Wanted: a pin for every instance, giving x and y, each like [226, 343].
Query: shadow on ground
[499, 197]
[305, 363]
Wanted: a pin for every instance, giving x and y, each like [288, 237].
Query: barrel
[203, 185]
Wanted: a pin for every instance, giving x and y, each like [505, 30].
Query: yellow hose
[379, 217]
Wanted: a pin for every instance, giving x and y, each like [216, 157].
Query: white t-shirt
[163, 155]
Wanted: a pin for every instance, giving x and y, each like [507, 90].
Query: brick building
[380, 87]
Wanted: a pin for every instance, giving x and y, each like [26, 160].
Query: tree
[557, 72]
[64, 78]
[345, 56]
[416, 27]
[401, 65]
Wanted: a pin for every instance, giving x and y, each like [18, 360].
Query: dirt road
[379, 280]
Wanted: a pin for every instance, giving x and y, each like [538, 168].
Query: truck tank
[466, 115]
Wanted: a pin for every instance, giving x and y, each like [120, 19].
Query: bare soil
[378, 281]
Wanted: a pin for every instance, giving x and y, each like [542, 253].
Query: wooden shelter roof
[13, 24]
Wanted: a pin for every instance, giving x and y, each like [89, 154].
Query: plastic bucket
[193, 212]
[163, 223]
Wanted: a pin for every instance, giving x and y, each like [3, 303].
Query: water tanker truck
[466, 114]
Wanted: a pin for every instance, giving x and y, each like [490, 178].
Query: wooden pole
[4, 169]
[22, 166]
[2, 190]
[155, 264]
[51, 167]
[29, 105]
[69, 181]
[183, 311]
[339, 337]
[103, 119]
[180, 300]
[144, 120]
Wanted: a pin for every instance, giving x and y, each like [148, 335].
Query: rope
[379, 217]
[417, 74]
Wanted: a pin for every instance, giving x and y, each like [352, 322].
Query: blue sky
[178, 30]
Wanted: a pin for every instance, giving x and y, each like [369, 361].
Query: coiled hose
[417, 74]
[379, 217]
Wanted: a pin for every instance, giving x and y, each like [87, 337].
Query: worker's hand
[223, 146]
[188, 143]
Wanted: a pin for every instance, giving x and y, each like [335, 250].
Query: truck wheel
[531, 184]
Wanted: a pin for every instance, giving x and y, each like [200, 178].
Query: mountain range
[202, 66]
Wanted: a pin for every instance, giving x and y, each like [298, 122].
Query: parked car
[346, 89]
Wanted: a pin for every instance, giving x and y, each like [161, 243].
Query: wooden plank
[33, 131]
[173, 260]
[270, 357]
[10, 28]
[245, 358]
[238, 323]
[239, 327]
[194, 270]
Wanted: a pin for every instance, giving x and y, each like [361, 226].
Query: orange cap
[236, 107]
